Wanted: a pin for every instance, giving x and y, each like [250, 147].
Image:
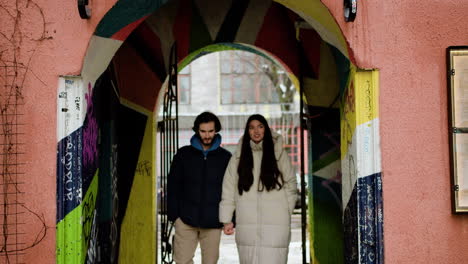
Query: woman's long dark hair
[270, 176]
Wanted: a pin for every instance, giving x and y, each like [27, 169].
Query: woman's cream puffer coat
[263, 219]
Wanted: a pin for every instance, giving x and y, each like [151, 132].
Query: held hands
[228, 229]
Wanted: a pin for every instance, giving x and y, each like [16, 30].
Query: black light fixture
[350, 9]
[83, 9]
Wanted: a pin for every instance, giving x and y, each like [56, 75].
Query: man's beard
[207, 142]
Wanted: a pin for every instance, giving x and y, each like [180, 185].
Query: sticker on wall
[70, 108]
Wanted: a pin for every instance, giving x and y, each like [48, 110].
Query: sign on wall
[457, 76]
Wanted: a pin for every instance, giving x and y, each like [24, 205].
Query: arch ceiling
[301, 34]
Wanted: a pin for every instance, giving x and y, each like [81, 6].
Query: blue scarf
[196, 143]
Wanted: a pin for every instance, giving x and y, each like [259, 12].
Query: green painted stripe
[123, 13]
[199, 34]
[342, 67]
[232, 21]
[69, 238]
[222, 47]
[327, 233]
[325, 222]
[325, 161]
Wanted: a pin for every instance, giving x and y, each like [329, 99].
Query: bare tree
[281, 83]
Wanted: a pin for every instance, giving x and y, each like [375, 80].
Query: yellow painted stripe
[323, 91]
[348, 118]
[320, 18]
[140, 109]
[311, 212]
[359, 105]
[138, 233]
[367, 95]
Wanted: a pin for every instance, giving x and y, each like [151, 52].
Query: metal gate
[303, 126]
[168, 130]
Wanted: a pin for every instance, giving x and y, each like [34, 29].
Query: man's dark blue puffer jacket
[195, 183]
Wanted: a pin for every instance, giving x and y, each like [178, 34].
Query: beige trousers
[186, 240]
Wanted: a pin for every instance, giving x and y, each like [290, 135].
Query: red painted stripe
[278, 36]
[136, 82]
[310, 41]
[181, 29]
[125, 31]
[152, 41]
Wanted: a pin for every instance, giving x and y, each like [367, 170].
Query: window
[184, 85]
[244, 79]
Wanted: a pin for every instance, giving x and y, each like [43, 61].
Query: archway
[284, 22]
[233, 81]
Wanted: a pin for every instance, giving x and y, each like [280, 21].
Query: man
[194, 192]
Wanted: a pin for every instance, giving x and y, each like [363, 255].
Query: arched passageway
[108, 178]
[233, 84]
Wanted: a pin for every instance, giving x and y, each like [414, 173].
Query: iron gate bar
[303, 185]
[168, 128]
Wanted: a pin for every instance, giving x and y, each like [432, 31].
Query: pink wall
[60, 52]
[406, 41]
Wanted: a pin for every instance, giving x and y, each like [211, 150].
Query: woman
[260, 186]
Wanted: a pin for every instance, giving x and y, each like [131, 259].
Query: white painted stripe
[98, 56]
[330, 170]
[71, 105]
[368, 148]
[162, 27]
[252, 22]
[363, 157]
[349, 173]
[213, 14]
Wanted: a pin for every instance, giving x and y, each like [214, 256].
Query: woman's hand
[228, 229]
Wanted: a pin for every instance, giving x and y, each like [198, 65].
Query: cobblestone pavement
[228, 250]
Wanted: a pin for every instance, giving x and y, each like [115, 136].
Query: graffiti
[363, 216]
[349, 107]
[114, 233]
[71, 169]
[370, 219]
[144, 168]
[368, 100]
[68, 162]
[78, 103]
[350, 224]
[352, 171]
[92, 255]
[90, 133]
[72, 191]
[88, 216]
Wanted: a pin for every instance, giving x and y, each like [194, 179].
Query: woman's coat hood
[277, 140]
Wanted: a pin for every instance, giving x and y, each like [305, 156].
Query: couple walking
[251, 193]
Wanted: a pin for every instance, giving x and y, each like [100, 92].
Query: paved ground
[228, 250]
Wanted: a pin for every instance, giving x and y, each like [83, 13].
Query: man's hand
[228, 229]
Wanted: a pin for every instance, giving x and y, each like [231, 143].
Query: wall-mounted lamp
[83, 9]
[350, 9]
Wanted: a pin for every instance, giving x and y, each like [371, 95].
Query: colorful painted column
[361, 167]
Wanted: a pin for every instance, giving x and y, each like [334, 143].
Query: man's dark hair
[270, 176]
[206, 117]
